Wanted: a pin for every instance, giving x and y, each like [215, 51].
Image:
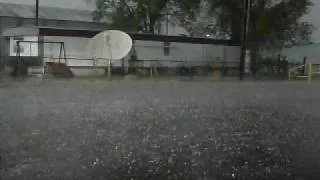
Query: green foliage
[187, 12]
[135, 15]
[273, 23]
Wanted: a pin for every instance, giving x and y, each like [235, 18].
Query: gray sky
[313, 17]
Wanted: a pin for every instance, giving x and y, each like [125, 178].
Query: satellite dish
[111, 45]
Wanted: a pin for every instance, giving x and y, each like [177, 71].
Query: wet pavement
[160, 130]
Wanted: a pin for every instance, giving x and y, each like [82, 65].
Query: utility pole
[37, 13]
[244, 34]
[167, 23]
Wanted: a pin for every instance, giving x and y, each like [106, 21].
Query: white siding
[192, 53]
[75, 47]
[232, 53]
[149, 51]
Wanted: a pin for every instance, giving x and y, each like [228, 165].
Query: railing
[293, 71]
[311, 71]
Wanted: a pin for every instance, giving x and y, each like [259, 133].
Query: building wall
[76, 49]
[152, 53]
[12, 22]
[187, 52]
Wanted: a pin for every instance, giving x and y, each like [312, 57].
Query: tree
[187, 12]
[273, 23]
[136, 15]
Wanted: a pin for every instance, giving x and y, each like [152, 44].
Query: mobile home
[36, 46]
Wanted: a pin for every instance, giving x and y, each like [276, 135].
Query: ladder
[292, 73]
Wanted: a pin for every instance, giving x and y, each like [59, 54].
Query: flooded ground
[81, 129]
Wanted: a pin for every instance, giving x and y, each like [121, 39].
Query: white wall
[232, 54]
[26, 48]
[76, 52]
[146, 50]
[194, 53]
[75, 47]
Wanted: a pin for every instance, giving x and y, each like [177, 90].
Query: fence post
[151, 70]
[289, 75]
[109, 70]
[279, 64]
[304, 61]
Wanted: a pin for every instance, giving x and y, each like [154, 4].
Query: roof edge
[45, 31]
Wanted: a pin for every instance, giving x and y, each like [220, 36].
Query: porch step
[59, 70]
[35, 70]
[301, 76]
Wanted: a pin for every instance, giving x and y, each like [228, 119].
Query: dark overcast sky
[313, 17]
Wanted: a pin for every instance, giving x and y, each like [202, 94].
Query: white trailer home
[36, 46]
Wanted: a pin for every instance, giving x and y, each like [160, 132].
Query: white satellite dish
[112, 44]
[109, 45]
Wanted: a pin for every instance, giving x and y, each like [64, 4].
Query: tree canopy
[273, 23]
[136, 15]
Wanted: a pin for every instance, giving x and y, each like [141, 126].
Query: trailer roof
[85, 33]
[137, 36]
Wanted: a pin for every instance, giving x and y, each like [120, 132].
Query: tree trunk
[236, 35]
[151, 25]
[236, 30]
[253, 59]
[151, 29]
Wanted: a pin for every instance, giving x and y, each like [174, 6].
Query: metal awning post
[37, 13]
[19, 65]
[244, 34]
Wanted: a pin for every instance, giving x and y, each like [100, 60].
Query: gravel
[81, 129]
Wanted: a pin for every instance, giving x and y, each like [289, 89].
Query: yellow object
[289, 75]
[309, 68]
[310, 72]
[216, 74]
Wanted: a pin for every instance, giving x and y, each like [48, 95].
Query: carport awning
[48, 31]
[21, 31]
[85, 33]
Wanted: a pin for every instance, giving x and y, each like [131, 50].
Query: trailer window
[166, 48]
[16, 49]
